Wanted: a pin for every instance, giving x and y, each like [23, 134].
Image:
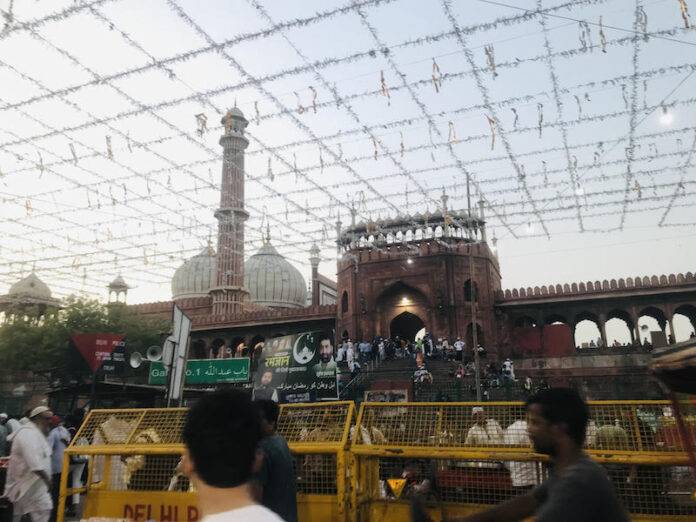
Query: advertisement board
[205, 371]
[297, 368]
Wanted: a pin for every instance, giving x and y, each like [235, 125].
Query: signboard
[115, 364]
[180, 337]
[140, 506]
[297, 368]
[396, 485]
[96, 347]
[205, 371]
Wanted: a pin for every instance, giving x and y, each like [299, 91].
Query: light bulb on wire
[666, 118]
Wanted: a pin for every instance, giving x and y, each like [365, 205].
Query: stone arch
[255, 341]
[344, 302]
[619, 327]
[587, 332]
[651, 319]
[555, 319]
[198, 349]
[236, 343]
[469, 291]
[406, 325]
[480, 336]
[217, 348]
[684, 321]
[400, 297]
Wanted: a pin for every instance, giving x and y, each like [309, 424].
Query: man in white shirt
[523, 475]
[508, 370]
[484, 432]
[221, 435]
[459, 346]
[350, 352]
[58, 440]
[28, 484]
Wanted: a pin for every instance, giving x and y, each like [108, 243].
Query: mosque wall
[429, 281]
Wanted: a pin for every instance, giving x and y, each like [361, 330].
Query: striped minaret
[228, 293]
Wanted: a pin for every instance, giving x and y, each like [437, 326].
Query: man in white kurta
[522, 474]
[28, 482]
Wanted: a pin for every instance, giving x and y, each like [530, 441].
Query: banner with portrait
[297, 368]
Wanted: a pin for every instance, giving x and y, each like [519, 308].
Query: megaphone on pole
[154, 353]
[135, 360]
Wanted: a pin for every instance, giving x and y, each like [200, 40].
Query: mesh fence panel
[146, 472]
[315, 422]
[137, 426]
[643, 490]
[638, 427]
[316, 474]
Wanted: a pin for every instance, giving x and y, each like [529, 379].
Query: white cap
[3, 415]
[38, 411]
[477, 409]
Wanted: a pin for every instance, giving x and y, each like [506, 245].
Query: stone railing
[400, 250]
[599, 287]
[269, 315]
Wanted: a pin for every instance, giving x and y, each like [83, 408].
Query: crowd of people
[233, 475]
[252, 471]
[36, 444]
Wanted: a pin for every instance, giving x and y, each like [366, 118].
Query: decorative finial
[268, 232]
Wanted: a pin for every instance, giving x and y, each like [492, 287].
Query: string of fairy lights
[106, 190]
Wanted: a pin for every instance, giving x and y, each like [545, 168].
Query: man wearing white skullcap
[28, 482]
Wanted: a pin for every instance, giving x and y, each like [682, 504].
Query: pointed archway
[406, 325]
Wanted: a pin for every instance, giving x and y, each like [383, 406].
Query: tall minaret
[228, 293]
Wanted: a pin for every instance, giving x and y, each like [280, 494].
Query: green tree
[44, 346]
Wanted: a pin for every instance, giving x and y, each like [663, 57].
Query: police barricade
[318, 435]
[132, 458]
[463, 457]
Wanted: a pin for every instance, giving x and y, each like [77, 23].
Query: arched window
[344, 302]
[468, 291]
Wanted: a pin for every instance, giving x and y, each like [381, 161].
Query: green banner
[206, 371]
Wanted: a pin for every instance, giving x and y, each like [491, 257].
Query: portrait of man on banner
[298, 367]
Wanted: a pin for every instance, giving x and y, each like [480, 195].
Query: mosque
[399, 276]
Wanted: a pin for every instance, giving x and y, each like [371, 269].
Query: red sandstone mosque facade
[396, 276]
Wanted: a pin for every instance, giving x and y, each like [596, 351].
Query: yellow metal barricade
[132, 466]
[464, 457]
[318, 435]
[132, 461]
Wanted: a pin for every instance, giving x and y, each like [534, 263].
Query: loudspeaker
[154, 353]
[135, 360]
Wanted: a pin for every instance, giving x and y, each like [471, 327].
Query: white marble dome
[272, 281]
[30, 286]
[196, 276]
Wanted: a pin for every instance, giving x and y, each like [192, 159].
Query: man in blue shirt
[275, 475]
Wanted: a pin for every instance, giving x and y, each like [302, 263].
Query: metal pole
[93, 398]
[473, 295]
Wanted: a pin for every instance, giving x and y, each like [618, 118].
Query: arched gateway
[406, 325]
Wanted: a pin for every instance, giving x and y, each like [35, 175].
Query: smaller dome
[235, 111]
[30, 286]
[272, 281]
[195, 277]
[118, 284]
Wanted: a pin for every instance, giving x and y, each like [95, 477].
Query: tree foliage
[44, 346]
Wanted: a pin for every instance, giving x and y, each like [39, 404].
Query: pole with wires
[472, 292]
